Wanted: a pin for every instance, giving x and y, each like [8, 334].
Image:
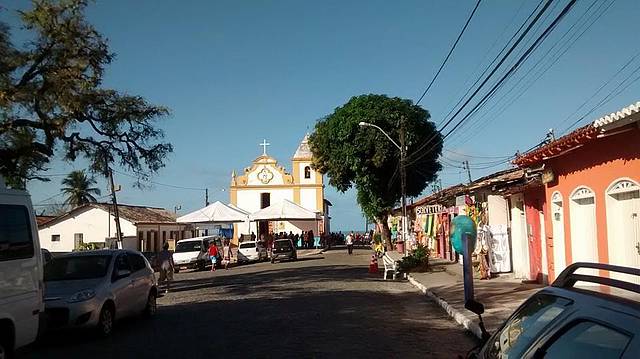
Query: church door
[263, 226]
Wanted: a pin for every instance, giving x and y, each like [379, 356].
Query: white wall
[249, 199]
[308, 199]
[95, 225]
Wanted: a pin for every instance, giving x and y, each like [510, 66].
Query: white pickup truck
[21, 286]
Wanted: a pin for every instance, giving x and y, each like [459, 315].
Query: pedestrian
[166, 267]
[213, 255]
[253, 236]
[312, 239]
[226, 254]
[349, 240]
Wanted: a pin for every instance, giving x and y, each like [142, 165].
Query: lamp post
[403, 175]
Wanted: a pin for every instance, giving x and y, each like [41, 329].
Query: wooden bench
[390, 265]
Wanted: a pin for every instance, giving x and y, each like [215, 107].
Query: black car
[283, 249]
[599, 319]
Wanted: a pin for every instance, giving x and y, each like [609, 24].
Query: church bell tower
[309, 189]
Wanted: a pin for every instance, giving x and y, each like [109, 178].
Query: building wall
[308, 199]
[596, 165]
[95, 225]
[534, 203]
[249, 199]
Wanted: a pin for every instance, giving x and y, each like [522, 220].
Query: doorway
[584, 243]
[623, 226]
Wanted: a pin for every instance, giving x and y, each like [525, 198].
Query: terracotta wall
[596, 165]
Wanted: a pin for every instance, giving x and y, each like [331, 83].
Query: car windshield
[523, 327]
[76, 267]
[282, 244]
[190, 246]
[247, 245]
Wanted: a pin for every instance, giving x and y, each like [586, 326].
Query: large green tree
[79, 190]
[362, 157]
[52, 100]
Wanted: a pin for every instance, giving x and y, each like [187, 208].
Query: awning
[283, 211]
[216, 212]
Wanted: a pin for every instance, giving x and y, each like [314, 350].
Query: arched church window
[307, 172]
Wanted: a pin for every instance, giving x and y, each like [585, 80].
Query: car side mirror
[122, 273]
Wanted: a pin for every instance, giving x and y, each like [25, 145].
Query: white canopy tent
[284, 211]
[217, 212]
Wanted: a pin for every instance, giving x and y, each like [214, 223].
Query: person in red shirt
[213, 255]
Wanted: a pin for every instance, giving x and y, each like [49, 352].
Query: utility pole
[116, 214]
[466, 165]
[403, 183]
[206, 197]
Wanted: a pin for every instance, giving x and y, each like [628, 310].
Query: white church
[266, 182]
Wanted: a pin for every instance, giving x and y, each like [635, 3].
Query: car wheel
[273, 260]
[151, 307]
[201, 266]
[176, 270]
[105, 324]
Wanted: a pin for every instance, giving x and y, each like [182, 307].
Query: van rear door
[20, 266]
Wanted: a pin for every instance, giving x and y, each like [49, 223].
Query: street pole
[466, 165]
[403, 185]
[206, 197]
[116, 214]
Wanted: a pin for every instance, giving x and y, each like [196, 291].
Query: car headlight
[81, 296]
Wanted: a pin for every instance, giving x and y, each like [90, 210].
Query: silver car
[93, 288]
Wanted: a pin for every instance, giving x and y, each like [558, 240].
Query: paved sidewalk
[500, 296]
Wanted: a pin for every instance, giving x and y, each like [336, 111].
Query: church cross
[264, 145]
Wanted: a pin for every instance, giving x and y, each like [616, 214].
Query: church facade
[266, 182]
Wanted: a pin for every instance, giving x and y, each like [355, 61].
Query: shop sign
[428, 209]
[548, 176]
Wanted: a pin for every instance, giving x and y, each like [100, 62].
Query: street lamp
[403, 175]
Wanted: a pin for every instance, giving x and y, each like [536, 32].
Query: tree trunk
[386, 232]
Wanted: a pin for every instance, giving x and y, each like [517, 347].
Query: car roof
[198, 238]
[98, 252]
[248, 242]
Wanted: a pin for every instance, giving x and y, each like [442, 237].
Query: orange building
[591, 182]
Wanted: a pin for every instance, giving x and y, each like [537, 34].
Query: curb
[454, 313]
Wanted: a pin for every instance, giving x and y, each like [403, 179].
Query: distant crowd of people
[306, 239]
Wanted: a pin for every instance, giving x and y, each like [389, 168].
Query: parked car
[94, 288]
[20, 271]
[193, 253]
[252, 251]
[565, 321]
[283, 249]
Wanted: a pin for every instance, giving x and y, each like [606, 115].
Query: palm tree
[78, 189]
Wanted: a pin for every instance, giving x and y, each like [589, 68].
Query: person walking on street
[349, 240]
[226, 254]
[213, 255]
[166, 267]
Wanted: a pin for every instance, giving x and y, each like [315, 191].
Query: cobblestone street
[320, 306]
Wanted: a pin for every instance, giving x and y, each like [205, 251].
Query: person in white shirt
[349, 241]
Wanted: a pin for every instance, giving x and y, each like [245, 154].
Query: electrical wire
[510, 72]
[161, 184]
[480, 122]
[488, 77]
[450, 52]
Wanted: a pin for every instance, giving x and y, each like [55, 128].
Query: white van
[193, 253]
[21, 286]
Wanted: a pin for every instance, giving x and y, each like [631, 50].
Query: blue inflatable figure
[461, 225]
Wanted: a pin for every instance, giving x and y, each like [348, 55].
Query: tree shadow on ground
[345, 324]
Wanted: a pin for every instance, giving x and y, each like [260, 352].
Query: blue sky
[235, 72]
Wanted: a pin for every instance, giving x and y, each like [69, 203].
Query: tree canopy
[364, 158]
[52, 100]
[77, 187]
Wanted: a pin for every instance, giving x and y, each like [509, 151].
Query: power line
[450, 52]
[474, 156]
[488, 77]
[480, 121]
[509, 73]
[612, 94]
[161, 184]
